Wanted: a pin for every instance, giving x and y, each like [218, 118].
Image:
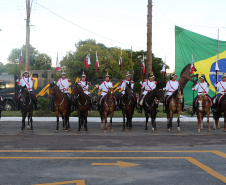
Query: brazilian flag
[204, 50]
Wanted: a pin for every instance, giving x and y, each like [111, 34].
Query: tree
[42, 61]
[2, 68]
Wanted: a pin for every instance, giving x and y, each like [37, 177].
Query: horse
[62, 106]
[175, 107]
[185, 76]
[26, 107]
[107, 108]
[81, 101]
[202, 109]
[150, 105]
[127, 104]
[221, 109]
[1, 100]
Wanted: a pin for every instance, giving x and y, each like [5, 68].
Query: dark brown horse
[62, 105]
[82, 102]
[26, 107]
[150, 105]
[202, 109]
[175, 107]
[185, 76]
[127, 105]
[107, 108]
[221, 109]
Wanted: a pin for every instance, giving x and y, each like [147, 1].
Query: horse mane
[176, 92]
[184, 69]
[152, 93]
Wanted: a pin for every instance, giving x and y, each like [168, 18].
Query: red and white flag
[192, 66]
[57, 64]
[163, 69]
[143, 66]
[21, 57]
[97, 63]
[87, 61]
[120, 61]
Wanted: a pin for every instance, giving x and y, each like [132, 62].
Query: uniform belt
[171, 91]
[85, 90]
[105, 91]
[148, 90]
[202, 92]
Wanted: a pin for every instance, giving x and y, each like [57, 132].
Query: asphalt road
[136, 157]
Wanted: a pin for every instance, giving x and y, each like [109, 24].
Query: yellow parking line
[207, 169]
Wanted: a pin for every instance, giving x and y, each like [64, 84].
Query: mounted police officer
[123, 87]
[104, 87]
[203, 88]
[221, 89]
[85, 86]
[147, 85]
[171, 87]
[28, 82]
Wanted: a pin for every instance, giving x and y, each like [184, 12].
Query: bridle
[75, 97]
[23, 100]
[54, 90]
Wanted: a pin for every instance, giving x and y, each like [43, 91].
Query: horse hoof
[208, 130]
[145, 130]
[66, 130]
[168, 130]
[56, 131]
[87, 131]
[155, 128]
[198, 130]
[218, 127]
[105, 131]
[21, 131]
[28, 127]
[112, 131]
[214, 128]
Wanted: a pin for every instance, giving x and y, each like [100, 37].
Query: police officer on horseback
[104, 87]
[85, 86]
[203, 88]
[28, 82]
[147, 85]
[123, 87]
[171, 87]
[221, 89]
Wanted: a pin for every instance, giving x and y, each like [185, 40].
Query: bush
[43, 103]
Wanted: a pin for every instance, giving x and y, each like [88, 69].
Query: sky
[57, 25]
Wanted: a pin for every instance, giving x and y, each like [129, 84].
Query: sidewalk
[97, 119]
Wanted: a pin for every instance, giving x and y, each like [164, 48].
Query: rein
[61, 100]
[24, 101]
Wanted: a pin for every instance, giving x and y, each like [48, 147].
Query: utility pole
[149, 39]
[27, 35]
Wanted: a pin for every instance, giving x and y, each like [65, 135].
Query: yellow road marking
[119, 164]
[78, 182]
[92, 158]
[207, 169]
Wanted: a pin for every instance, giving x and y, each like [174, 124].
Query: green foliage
[43, 102]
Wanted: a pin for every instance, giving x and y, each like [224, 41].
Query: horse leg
[65, 121]
[79, 124]
[199, 120]
[85, 119]
[105, 122]
[28, 121]
[62, 115]
[31, 123]
[224, 121]
[124, 125]
[102, 120]
[23, 122]
[112, 114]
[178, 121]
[208, 121]
[57, 127]
[146, 125]
[169, 125]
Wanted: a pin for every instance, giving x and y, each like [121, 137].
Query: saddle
[221, 98]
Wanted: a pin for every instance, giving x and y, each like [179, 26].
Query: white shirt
[104, 87]
[148, 86]
[171, 86]
[123, 85]
[63, 85]
[221, 87]
[84, 86]
[28, 81]
[203, 88]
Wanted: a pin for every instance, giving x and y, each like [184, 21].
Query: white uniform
[171, 86]
[104, 87]
[148, 86]
[63, 85]
[1, 99]
[84, 86]
[202, 88]
[28, 81]
[123, 85]
[221, 87]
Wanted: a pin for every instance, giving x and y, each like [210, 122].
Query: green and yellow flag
[204, 50]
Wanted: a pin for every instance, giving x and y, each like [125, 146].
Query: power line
[83, 27]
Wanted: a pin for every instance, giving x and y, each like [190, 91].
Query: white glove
[97, 86]
[164, 89]
[140, 82]
[193, 89]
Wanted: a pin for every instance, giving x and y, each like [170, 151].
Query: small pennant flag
[120, 61]
[143, 66]
[87, 61]
[163, 69]
[192, 66]
[57, 64]
[21, 57]
[97, 63]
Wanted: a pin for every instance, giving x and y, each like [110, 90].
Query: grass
[41, 113]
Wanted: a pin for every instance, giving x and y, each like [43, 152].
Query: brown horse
[221, 109]
[82, 102]
[185, 76]
[62, 105]
[107, 108]
[202, 109]
[128, 105]
[175, 107]
[26, 107]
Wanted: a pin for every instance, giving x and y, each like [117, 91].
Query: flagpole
[216, 69]
[193, 85]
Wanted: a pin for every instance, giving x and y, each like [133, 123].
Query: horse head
[128, 89]
[202, 100]
[180, 94]
[52, 91]
[77, 89]
[110, 93]
[24, 94]
[160, 95]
